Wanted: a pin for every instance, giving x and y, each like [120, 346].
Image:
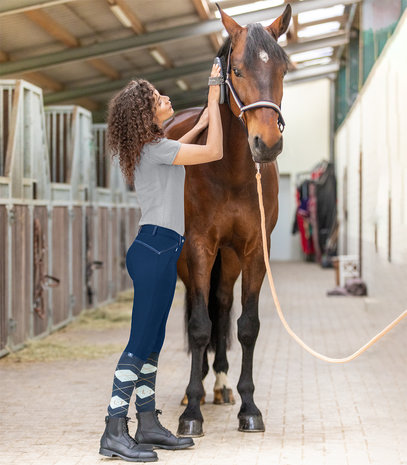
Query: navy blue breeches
[152, 264]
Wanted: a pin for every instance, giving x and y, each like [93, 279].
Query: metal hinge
[11, 216]
[12, 326]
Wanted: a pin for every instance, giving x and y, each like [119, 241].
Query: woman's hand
[214, 91]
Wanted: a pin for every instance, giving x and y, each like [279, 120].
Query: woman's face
[163, 108]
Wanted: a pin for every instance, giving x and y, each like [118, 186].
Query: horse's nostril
[257, 141]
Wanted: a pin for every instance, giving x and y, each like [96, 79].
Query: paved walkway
[51, 413]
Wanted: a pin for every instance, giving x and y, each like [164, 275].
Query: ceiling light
[321, 13]
[158, 57]
[182, 84]
[312, 54]
[318, 29]
[249, 7]
[120, 15]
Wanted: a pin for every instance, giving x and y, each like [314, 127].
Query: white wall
[376, 130]
[306, 111]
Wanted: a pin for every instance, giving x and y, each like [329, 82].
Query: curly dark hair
[130, 125]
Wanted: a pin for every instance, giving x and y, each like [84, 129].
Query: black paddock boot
[116, 442]
[150, 431]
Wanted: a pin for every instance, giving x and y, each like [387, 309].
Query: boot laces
[126, 426]
[159, 412]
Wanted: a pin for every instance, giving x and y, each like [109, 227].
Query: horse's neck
[236, 154]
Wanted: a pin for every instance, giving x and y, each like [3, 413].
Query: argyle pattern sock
[124, 381]
[145, 385]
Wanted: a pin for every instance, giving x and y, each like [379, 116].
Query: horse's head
[257, 66]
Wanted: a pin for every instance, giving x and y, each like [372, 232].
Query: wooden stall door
[40, 270]
[78, 262]
[3, 277]
[115, 253]
[60, 264]
[102, 273]
[21, 297]
[125, 281]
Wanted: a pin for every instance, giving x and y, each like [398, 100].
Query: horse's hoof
[191, 428]
[184, 400]
[251, 424]
[223, 396]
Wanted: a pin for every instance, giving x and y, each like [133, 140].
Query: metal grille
[6, 106]
[101, 156]
[59, 129]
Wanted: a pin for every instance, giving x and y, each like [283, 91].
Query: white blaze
[263, 56]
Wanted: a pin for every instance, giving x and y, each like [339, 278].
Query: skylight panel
[321, 13]
[319, 29]
[319, 61]
[249, 7]
[312, 54]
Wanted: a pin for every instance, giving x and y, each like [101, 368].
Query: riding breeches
[152, 264]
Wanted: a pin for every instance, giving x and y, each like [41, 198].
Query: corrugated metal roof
[93, 21]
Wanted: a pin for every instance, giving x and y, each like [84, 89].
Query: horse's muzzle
[262, 153]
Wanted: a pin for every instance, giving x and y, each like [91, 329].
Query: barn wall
[375, 132]
[306, 142]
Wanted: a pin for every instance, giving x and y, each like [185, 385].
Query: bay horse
[222, 219]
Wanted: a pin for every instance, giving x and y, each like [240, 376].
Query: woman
[155, 165]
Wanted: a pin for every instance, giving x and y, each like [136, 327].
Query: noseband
[251, 106]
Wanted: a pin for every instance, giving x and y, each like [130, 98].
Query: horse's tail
[213, 308]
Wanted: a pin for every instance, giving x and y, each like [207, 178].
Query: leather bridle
[250, 106]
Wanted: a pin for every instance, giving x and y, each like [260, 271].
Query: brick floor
[315, 413]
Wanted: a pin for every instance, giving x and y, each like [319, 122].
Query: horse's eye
[237, 72]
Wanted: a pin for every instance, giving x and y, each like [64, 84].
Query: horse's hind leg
[223, 290]
[253, 270]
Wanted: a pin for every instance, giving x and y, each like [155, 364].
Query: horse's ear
[230, 24]
[280, 25]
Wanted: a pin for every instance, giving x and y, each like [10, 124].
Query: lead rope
[278, 307]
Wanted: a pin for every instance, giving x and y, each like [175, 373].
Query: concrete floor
[315, 413]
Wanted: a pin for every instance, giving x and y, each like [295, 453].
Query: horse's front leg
[253, 270]
[200, 261]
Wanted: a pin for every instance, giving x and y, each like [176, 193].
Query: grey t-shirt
[160, 185]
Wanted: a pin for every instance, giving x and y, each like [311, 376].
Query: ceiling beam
[56, 30]
[334, 40]
[311, 72]
[152, 38]
[110, 86]
[52, 27]
[179, 72]
[204, 12]
[156, 77]
[139, 28]
[103, 67]
[10, 7]
[37, 78]
[341, 19]
[43, 81]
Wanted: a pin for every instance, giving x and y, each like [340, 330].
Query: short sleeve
[162, 152]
